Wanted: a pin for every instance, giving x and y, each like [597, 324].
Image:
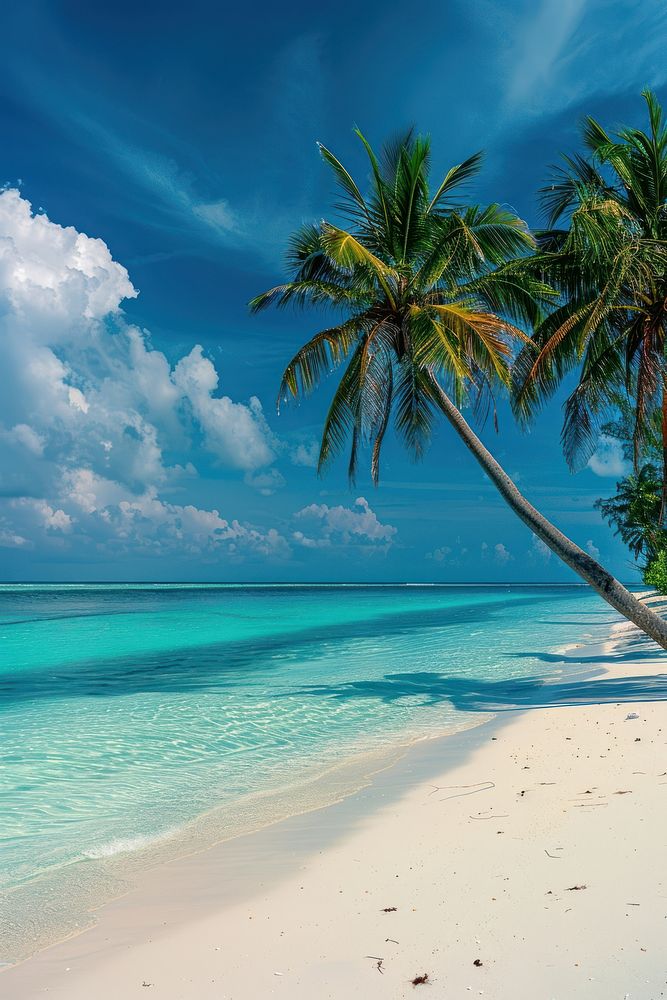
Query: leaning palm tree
[606, 251]
[431, 298]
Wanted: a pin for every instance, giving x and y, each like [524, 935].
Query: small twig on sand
[554, 856]
[487, 785]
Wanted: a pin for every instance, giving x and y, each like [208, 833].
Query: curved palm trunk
[581, 562]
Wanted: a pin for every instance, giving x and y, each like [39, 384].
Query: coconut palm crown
[427, 291]
[606, 252]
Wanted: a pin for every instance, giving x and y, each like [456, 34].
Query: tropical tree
[634, 510]
[431, 298]
[605, 249]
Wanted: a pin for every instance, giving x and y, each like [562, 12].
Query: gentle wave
[124, 845]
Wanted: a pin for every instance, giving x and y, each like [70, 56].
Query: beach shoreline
[48, 902]
[287, 872]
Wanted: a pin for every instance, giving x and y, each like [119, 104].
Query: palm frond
[381, 198]
[514, 290]
[576, 181]
[342, 416]
[383, 423]
[302, 293]
[483, 336]
[344, 178]
[602, 374]
[542, 363]
[347, 251]
[410, 192]
[414, 408]
[316, 359]
[455, 177]
[436, 345]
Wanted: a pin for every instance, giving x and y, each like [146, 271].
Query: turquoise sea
[135, 719]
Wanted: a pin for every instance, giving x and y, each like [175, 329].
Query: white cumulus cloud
[607, 459]
[54, 520]
[306, 454]
[343, 526]
[234, 432]
[502, 554]
[440, 554]
[93, 417]
[539, 552]
[26, 437]
[592, 549]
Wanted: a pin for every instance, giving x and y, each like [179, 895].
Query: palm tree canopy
[633, 510]
[424, 289]
[609, 261]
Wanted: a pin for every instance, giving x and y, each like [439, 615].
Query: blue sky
[167, 150]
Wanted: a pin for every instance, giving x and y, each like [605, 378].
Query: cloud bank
[98, 427]
[91, 414]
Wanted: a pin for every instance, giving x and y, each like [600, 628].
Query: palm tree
[430, 295]
[634, 511]
[609, 261]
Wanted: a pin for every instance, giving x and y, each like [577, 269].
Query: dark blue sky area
[184, 137]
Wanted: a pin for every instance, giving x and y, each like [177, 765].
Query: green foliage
[622, 427]
[655, 574]
[634, 512]
[430, 292]
[606, 252]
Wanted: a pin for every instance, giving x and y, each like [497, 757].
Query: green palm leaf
[424, 288]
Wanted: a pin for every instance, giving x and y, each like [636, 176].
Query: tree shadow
[611, 657]
[476, 695]
[219, 666]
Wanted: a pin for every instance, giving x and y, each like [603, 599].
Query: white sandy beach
[522, 861]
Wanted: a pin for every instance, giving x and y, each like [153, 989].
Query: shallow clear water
[127, 711]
